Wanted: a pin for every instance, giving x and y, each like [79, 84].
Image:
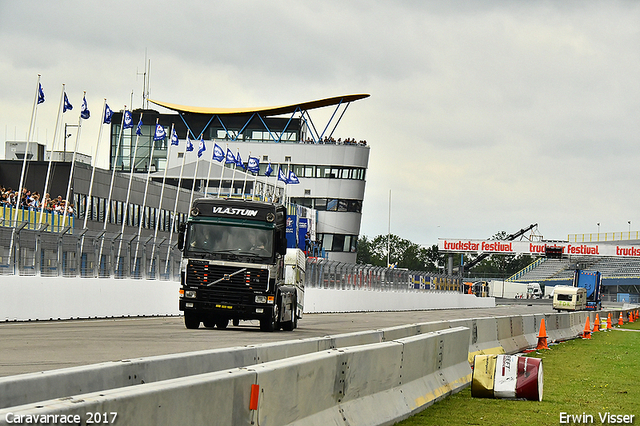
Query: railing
[604, 236]
[323, 273]
[86, 254]
[30, 219]
[526, 269]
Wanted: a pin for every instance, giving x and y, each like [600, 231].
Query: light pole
[66, 135]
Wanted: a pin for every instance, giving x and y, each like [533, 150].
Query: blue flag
[107, 114]
[160, 133]
[253, 165]
[201, 148]
[84, 111]
[293, 179]
[66, 106]
[239, 162]
[139, 128]
[174, 138]
[269, 170]
[128, 120]
[281, 176]
[189, 144]
[40, 94]
[230, 159]
[218, 153]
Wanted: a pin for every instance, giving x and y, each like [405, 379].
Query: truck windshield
[209, 238]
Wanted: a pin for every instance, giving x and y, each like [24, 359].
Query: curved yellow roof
[265, 111]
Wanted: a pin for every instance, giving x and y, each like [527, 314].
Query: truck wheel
[222, 323]
[272, 323]
[291, 325]
[236, 322]
[191, 320]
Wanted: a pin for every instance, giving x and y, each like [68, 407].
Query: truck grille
[218, 277]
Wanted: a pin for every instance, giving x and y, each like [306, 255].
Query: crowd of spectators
[32, 200]
[331, 141]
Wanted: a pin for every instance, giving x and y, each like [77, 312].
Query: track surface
[27, 347]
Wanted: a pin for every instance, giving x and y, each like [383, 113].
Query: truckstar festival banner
[531, 248]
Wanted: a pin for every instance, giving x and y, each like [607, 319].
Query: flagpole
[93, 170]
[222, 172]
[126, 203]
[53, 144]
[113, 173]
[175, 208]
[253, 189]
[193, 185]
[26, 152]
[233, 176]
[73, 162]
[155, 234]
[206, 191]
[146, 186]
[244, 185]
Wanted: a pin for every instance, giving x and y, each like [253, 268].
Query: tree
[402, 252]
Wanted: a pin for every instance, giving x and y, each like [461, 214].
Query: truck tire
[222, 323]
[236, 322]
[191, 320]
[291, 325]
[271, 323]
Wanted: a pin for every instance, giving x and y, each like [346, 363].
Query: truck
[511, 290]
[592, 282]
[569, 298]
[236, 266]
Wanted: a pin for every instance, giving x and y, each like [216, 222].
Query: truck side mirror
[282, 246]
[181, 230]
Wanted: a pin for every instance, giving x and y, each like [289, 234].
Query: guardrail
[371, 377]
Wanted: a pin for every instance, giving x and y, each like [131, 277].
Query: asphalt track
[27, 347]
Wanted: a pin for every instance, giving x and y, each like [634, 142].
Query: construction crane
[509, 237]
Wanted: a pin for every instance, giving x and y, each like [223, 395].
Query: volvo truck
[236, 266]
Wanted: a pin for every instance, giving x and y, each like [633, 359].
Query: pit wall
[374, 377]
[45, 298]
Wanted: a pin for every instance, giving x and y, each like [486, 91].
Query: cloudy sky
[483, 116]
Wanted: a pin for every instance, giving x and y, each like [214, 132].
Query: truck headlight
[261, 299]
[191, 294]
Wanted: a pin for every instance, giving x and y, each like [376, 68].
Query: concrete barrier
[51, 298]
[377, 383]
[420, 362]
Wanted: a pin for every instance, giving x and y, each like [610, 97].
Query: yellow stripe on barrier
[441, 391]
[498, 350]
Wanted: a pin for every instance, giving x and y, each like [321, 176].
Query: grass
[580, 376]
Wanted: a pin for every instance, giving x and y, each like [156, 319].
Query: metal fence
[86, 254]
[323, 273]
[93, 254]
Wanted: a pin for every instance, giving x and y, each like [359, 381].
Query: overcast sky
[484, 116]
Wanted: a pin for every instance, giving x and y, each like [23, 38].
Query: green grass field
[594, 377]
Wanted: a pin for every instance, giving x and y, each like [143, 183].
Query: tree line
[406, 254]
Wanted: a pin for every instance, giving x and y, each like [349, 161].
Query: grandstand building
[331, 171]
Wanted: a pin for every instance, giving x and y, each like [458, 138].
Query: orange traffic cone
[631, 319]
[542, 337]
[620, 320]
[596, 324]
[609, 327]
[586, 334]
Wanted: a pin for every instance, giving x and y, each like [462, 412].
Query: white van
[569, 298]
